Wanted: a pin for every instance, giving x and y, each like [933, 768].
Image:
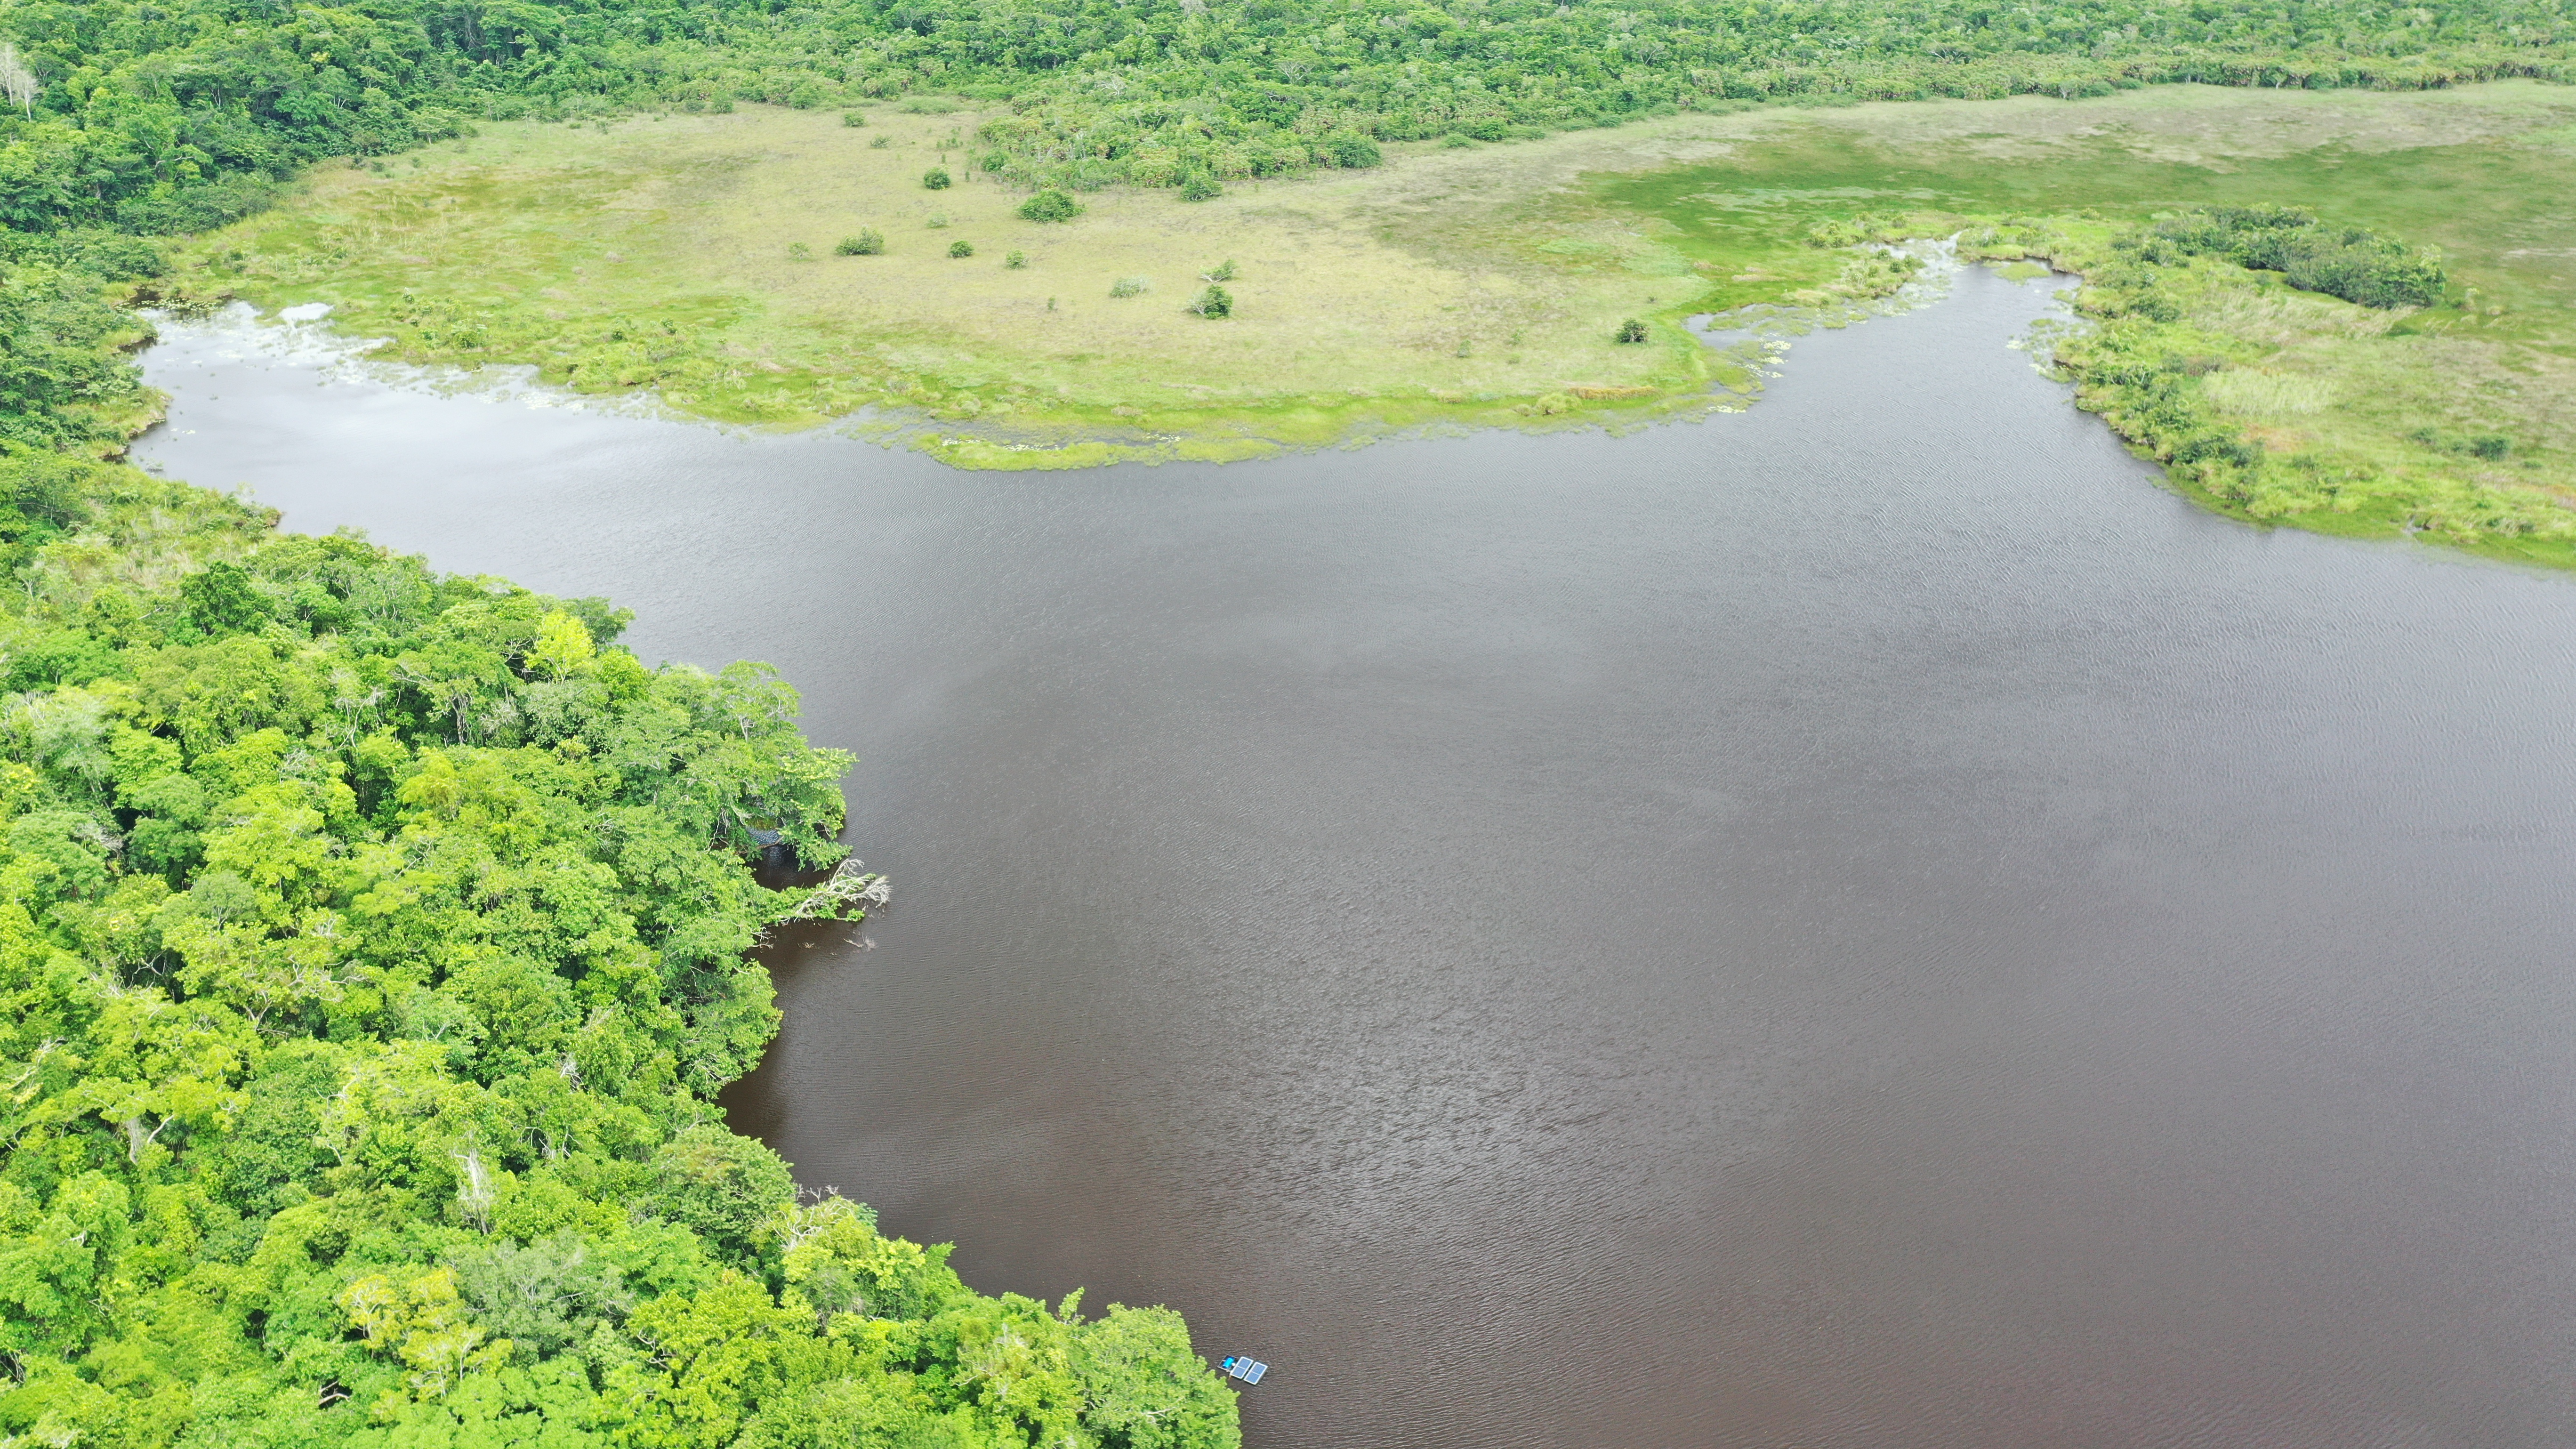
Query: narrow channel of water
[1861, 923]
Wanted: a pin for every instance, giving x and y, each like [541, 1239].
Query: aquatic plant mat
[1477, 285]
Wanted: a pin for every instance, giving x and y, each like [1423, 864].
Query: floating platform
[1247, 1369]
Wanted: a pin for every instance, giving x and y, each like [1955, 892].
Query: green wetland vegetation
[2440, 408]
[375, 940]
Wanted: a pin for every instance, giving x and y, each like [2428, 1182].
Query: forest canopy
[373, 942]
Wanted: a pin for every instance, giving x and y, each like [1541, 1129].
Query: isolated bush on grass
[1131, 287]
[1016, 260]
[854, 118]
[1050, 205]
[961, 249]
[936, 178]
[868, 243]
[1632, 330]
[1214, 302]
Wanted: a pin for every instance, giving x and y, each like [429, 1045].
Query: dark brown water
[1859, 924]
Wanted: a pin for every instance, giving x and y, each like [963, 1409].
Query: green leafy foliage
[1215, 301]
[868, 242]
[62, 377]
[936, 178]
[373, 945]
[2350, 262]
[1050, 205]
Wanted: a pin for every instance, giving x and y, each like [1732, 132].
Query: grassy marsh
[1466, 286]
[658, 253]
[2456, 421]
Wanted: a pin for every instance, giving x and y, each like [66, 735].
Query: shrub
[1201, 187]
[1050, 205]
[868, 243]
[1632, 330]
[1131, 287]
[1456, 142]
[799, 252]
[936, 178]
[2154, 307]
[2350, 262]
[961, 249]
[938, 221]
[1214, 302]
[1016, 260]
[1352, 149]
[2490, 446]
[880, 143]
[996, 160]
[1224, 271]
[854, 118]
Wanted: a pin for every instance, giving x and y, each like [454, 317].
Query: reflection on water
[1860, 923]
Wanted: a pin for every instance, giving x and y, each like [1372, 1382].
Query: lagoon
[1860, 922]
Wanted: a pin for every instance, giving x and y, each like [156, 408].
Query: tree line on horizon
[178, 116]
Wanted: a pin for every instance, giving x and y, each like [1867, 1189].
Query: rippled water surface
[1862, 923]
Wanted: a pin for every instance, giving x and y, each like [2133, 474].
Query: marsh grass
[1468, 285]
[2259, 394]
[2334, 417]
[568, 248]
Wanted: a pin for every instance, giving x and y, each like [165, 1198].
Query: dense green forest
[373, 943]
